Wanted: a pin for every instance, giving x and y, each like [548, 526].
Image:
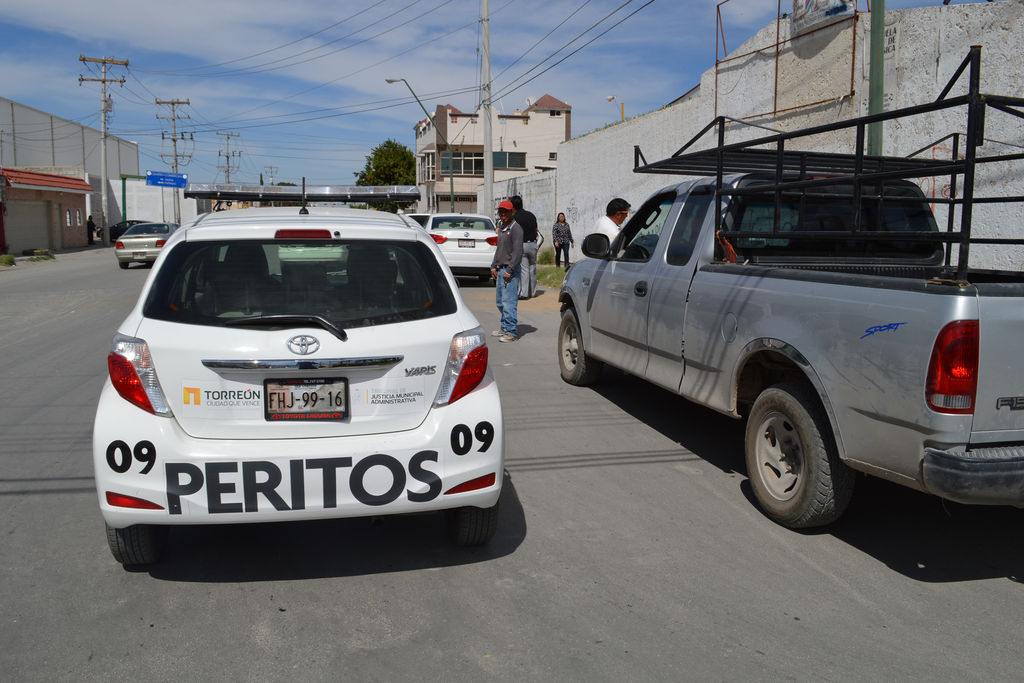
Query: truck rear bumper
[985, 476]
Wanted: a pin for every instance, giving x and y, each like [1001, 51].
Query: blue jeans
[507, 298]
[562, 248]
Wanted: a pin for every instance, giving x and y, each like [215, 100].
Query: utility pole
[174, 137]
[485, 101]
[106, 105]
[228, 155]
[271, 169]
[876, 76]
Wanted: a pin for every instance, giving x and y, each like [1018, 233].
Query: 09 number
[462, 437]
[120, 456]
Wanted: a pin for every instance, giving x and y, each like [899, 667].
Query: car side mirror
[596, 245]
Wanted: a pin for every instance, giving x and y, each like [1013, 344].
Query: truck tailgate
[1000, 399]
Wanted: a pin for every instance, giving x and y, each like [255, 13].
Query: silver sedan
[142, 243]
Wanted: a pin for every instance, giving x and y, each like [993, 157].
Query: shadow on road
[330, 548]
[918, 535]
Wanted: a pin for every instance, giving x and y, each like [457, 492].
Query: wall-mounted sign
[809, 13]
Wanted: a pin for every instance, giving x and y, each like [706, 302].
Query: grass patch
[546, 257]
[550, 276]
[41, 255]
[6, 260]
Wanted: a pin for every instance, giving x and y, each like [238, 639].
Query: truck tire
[138, 544]
[792, 462]
[474, 526]
[574, 364]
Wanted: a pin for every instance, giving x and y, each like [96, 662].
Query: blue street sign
[166, 179]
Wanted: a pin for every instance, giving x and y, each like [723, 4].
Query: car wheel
[574, 364]
[484, 278]
[794, 468]
[473, 525]
[138, 544]
[123, 264]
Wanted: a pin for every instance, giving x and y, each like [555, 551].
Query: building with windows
[523, 142]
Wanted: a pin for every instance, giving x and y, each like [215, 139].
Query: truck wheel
[573, 362]
[473, 525]
[797, 476]
[138, 544]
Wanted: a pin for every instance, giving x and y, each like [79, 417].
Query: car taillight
[119, 245]
[440, 239]
[161, 243]
[493, 241]
[465, 369]
[953, 370]
[122, 501]
[133, 375]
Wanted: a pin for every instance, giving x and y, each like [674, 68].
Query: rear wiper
[289, 321]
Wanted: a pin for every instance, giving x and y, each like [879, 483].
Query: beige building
[524, 142]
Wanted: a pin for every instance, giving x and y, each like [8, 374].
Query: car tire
[123, 264]
[473, 526]
[575, 366]
[138, 544]
[484, 278]
[792, 461]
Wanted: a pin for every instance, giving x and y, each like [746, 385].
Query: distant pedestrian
[528, 222]
[508, 255]
[90, 228]
[561, 238]
[615, 215]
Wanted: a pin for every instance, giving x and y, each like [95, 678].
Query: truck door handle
[640, 288]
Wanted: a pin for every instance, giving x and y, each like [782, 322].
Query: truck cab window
[640, 236]
[687, 230]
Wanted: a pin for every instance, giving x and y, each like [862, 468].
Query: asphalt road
[629, 547]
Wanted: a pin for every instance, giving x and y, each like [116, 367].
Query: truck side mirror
[595, 245]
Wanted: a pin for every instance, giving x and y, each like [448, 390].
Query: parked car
[142, 243]
[287, 367]
[118, 229]
[467, 242]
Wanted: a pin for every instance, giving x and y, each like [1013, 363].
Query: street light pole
[451, 155]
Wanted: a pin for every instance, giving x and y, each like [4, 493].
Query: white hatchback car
[467, 241]
[280, 366]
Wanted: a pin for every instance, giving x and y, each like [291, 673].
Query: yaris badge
[303, 344]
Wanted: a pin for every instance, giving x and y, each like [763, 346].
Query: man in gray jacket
[508, 254]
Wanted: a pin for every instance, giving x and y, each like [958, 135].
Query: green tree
[389, 163]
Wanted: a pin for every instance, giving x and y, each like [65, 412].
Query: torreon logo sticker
[219, 397]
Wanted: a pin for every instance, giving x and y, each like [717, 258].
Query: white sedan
[467, 241]
[280, 366]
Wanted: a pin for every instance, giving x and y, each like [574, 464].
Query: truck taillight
[133, 376]
[465, 369]
[952, 381]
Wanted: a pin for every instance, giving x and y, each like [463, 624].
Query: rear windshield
[148, 229]
[350, 283]
[904, 209]
[462, 223]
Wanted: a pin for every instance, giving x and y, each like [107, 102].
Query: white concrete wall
[149, 203]
[538, 193]
[927, 45]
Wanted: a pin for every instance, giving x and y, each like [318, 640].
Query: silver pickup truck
[823, 310]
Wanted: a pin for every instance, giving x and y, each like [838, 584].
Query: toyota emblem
[303, 344]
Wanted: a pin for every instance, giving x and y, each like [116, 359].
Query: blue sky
[303, 82]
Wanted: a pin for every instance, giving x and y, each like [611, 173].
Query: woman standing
[561, 237]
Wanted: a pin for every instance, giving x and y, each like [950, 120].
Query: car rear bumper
[235, 481]
[986, 476]
[127, 255]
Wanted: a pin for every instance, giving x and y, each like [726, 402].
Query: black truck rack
[791, 173]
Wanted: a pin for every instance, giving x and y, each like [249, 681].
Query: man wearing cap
[505, 270]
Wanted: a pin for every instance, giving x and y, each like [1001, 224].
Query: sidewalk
[22, 261]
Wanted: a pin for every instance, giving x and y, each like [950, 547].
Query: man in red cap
[505, 270]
